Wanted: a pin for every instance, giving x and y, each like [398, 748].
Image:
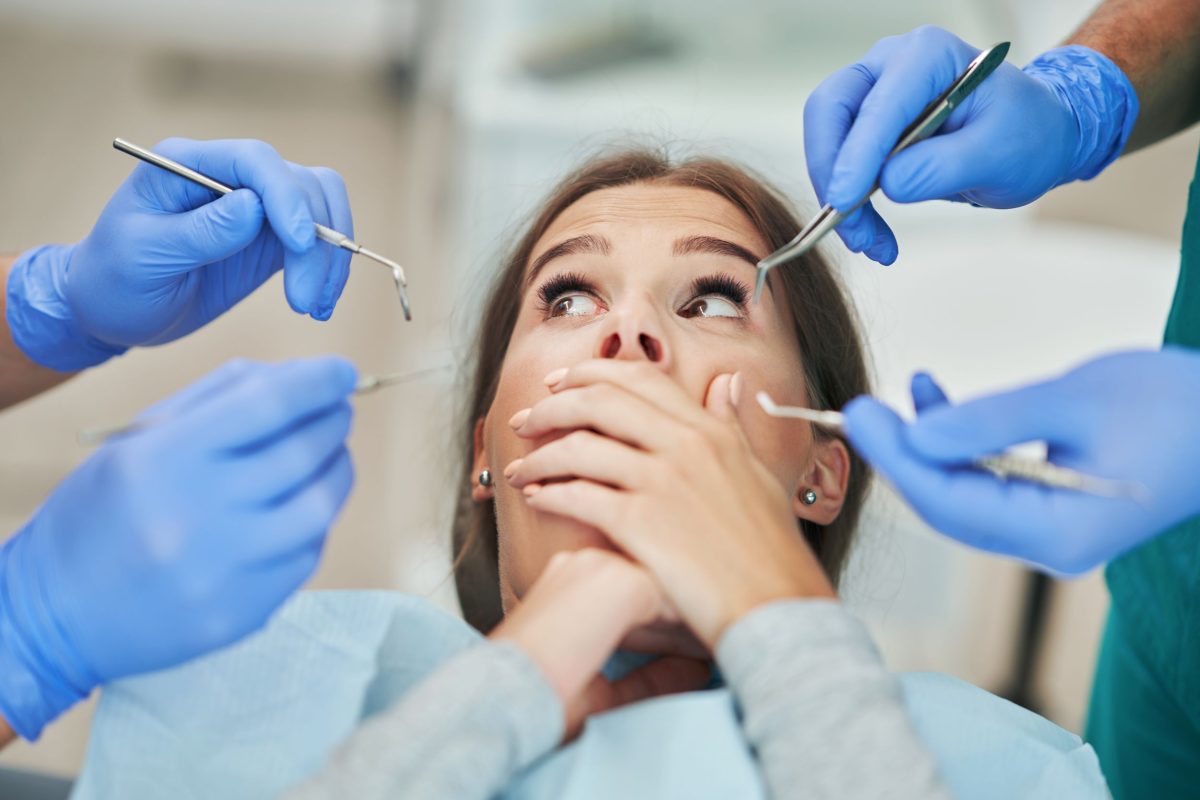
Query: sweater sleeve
[819, 707]
[463, 732]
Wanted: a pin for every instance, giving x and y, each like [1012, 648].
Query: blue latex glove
[176, 539]
[1064, 117]
[1129, 417]
[167, 256]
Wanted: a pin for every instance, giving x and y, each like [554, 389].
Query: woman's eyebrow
[711, 244]
[584, 243]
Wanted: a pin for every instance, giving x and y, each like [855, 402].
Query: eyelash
[722, 285]
[553, 290]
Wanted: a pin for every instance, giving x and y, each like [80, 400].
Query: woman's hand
[674, 484]
[571, 621]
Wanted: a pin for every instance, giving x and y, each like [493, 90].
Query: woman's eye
[572, 305]
[711, 306]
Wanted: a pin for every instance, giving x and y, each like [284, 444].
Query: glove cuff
[40, 319]
[35, 660]
[1102, 99]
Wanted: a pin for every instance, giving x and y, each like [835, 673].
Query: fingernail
[518, 419]
[511, 469]
[556, 376]
[735, 388]
[532, 489]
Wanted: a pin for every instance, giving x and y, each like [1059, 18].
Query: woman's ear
[479, 492]
[827, 477]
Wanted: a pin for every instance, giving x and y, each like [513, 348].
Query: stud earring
[809, 497]
[485, 477]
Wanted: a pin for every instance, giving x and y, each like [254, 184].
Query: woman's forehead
[649, 210]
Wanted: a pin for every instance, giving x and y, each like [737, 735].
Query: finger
[960, 433]
[947, 166]
[926, 394]
[256, 166]
[286, 201]
[272, 399]
[214, 231]
[583, 501]
[606, 408]
[583, 454]
[907, 79]
[211, 385]
[302, 520]
[718, 399]
[257, 600]
[337, 204]
[282, 466]
[640, 378]
[305, 274]
[721, 399]
[828, 114]
[1008, 518]
[881, 245]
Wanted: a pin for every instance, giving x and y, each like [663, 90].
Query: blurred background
[449, 120]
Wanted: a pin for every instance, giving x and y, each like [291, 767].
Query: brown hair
[825, 327]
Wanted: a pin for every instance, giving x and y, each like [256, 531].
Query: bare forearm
[20, 378]
[1157, 45]
[7, 734]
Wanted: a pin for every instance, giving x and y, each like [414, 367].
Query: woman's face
[648, 272]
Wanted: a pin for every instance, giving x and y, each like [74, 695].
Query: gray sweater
[822, 713]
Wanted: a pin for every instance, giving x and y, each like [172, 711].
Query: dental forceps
[323, 233]
[1007, 467]
[924, 126]
[367, 384]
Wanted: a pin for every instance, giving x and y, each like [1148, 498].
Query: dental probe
[323, 233]
[1005, 467]
[367, 384]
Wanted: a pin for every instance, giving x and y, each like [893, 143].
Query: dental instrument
[925, 125]
[323, 233]
[1008, 467]
[367, 384]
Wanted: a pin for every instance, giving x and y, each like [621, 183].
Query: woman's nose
[633, 337]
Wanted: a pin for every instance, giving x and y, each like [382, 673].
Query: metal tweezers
[323, 233]
[1006, 467]
[925, 125]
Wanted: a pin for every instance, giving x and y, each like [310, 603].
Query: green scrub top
[1144, 720]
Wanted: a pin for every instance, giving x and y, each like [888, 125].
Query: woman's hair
[825, 325]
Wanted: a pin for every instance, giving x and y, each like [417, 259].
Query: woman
[611, 416]
[623, 494]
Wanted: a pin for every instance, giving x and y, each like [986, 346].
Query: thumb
[926, 394]
[219, 229]
[723, 399]
[956, 434]
[941, 167]
[718, 400]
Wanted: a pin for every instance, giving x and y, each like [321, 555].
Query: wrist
[1099, 96]
[40, 677]
[804, 581]
[40, 318]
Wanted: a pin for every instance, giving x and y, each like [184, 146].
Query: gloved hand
[176, 539]
[167, 256]
[1129, 417]
[1064, 117]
